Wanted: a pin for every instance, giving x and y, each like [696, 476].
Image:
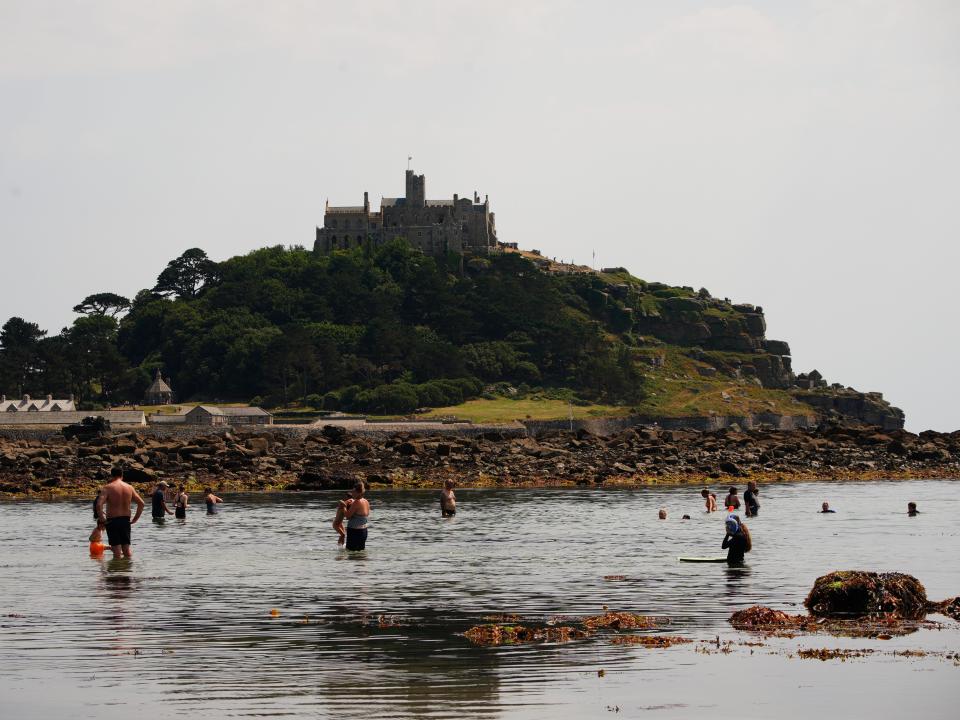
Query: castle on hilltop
[436, 227]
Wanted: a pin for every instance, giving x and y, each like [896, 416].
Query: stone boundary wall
[610, 426]
[132, 418]
[526, 428]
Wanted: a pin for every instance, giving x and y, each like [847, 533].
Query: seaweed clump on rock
[949, 607]
[511, 634]
[856, 593]
[760, 617]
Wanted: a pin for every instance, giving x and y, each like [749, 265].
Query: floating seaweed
[767, 619]
[650, 641]
[949, 607]
[832, 653]
[510, 634]
[614, 578]
[855, 593]
[619, 621]
[503, 618]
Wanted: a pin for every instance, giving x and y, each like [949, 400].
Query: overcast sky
[802, 156]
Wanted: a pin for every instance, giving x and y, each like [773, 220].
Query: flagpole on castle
[409, 158]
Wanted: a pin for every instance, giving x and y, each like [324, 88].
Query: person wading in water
[183, 502]
[750, 499]
[448, 501]
[357, 516]
[158, 502]
[737, 541]
[113, 508]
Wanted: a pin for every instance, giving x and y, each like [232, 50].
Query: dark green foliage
[385, 331]
[186, 276]
[103, 304]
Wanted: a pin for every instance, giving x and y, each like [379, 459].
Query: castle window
[359, 239]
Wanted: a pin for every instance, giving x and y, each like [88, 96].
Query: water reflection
[187, 624]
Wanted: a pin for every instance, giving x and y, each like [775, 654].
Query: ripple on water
[187, 626]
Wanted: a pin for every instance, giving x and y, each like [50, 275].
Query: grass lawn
[504, 410]
[679, 390]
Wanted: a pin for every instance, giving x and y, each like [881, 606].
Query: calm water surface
[185, 629]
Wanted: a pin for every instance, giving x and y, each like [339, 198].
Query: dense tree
[20, 362]
[187, 275]
[384, 330]
[103, 304]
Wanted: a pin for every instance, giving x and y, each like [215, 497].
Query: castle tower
[416, 190]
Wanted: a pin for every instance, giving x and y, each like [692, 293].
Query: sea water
[188, 628]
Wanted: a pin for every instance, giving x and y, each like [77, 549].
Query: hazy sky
[800, 156]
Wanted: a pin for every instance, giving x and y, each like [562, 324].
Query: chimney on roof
[366, 202]
[71, 397]
[3, 398]
[26, 398]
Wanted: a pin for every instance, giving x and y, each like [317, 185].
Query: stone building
[212, 415]
[47, 404]
[159, 392]
[458, 225]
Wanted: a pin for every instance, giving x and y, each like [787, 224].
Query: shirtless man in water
[448, 501]
[113, 507]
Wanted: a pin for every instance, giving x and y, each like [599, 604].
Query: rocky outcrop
[846, 404]
[326, 459]
[856, 593]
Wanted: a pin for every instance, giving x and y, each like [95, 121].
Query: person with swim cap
[737, 541]
[662, 514]
[826, 508]
[113, 508]
[732, 501]
[448, 501]
[357, 515]
[158, 502]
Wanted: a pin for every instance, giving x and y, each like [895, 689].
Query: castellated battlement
[436, 227]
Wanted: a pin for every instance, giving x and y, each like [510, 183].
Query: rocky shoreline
[331, 458]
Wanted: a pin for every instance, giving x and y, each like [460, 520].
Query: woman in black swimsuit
[183, 502]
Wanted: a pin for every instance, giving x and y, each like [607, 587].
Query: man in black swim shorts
[118, 531]
[113, 507]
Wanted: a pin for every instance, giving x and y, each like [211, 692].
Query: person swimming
[826, 508]
[737, 541]
[710, 500]
[97, 546]
[448, 501]
[183, 502]
[732, 501]
[662, 514]
[912, 509]
[211, 501]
